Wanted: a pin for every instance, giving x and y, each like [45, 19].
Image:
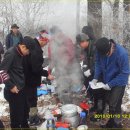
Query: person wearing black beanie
[33, 70]
[113, 63]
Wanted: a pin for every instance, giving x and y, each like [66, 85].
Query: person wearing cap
[87, 47]
[14, 37]
[14, 87]
[112, 61]
[33, 71]
[86, 42]
[88, 57]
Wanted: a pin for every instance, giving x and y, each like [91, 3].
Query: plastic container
[50, 124]
[82, 127]
[83, 120]
[41, 92]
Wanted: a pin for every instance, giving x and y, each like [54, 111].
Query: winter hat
[43, 36]
[89, 31]
[14, 26]
[54, 29]
[29, 42]
[103, 45]
[81, 38]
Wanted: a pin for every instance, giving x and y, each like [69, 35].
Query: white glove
[84, 66]
[94, 81]
[106, 87]
[87, 73]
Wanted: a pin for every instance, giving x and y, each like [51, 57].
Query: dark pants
[31, 93]
[86, 83]
[18, 108]
[114, 99]
[1, 125]
[99, 100]
[98, 95]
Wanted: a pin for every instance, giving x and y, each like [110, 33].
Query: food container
[74, 120]
[82, 127]
[70, 115]
[69, 110]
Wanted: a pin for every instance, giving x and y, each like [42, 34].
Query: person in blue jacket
[14, 37]
[113, 63]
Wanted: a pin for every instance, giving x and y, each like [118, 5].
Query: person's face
[43, 43]
[84, 44]
[24, 50]
[15, 30]
[111, 50]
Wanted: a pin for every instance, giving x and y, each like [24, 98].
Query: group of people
[107, 62]
[21, 71]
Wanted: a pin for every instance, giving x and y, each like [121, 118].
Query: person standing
[33, 71]
[112, 61]
[14, 37]
[86, 42]
[63, 62]
[14, 86]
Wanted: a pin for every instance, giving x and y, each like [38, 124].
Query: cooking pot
[70, 115]
[69, 110]
[73, 121]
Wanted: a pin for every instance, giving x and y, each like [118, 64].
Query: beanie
[81, 38]
[103, 45]
[89, 31]
[29, 42]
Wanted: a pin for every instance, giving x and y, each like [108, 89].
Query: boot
[34, 119]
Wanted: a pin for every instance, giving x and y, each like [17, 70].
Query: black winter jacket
[12, 63]
[32, 65]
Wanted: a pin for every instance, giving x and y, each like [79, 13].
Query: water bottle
[83, 118]
[50, 124]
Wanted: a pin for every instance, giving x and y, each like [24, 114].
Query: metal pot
[69, 110]
[70, 114]
[73, 121]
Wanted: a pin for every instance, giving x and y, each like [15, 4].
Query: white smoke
[67, 68]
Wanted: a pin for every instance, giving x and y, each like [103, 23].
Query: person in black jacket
[14, 37]
[14, 86]
[86, 40]
[33, 71]
[86, 43]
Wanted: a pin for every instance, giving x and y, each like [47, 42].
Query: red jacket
[63, 47]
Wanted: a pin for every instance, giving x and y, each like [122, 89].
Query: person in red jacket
[62, 55]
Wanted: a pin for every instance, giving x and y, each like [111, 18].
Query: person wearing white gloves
[112, 62]
[86, 41]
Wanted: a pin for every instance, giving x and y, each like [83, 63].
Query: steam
[63, 59]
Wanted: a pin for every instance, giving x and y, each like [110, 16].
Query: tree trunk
[95, 16]
[78, 17]
[116, 23]
[126, 28]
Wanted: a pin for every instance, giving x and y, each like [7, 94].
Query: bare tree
[78, 17]
[126, 31]
[95, 16]
[31, 14]
[6, 15]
